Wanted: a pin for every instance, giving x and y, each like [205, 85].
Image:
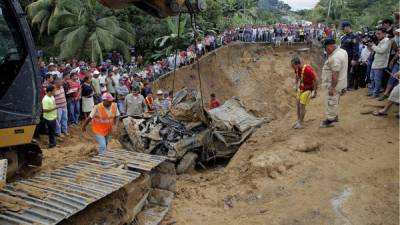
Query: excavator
[20, 81]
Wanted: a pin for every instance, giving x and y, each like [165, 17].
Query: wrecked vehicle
[187, 135]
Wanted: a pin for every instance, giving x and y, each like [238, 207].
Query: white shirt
[382, 52]
[102, 78]
[365, 53]
[336, 62]
[116, 79]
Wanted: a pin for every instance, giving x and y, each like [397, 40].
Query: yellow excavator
[20, 81]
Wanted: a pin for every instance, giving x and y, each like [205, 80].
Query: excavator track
[53, 197]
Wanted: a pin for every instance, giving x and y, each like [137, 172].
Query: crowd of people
[368, 60]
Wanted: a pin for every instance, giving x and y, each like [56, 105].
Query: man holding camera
[381, 60]
[350, 43]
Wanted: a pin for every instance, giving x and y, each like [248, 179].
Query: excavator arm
[159, 8]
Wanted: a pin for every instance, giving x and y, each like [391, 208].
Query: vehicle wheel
[188, 161]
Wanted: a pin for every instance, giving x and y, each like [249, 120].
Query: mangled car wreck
[188, 135]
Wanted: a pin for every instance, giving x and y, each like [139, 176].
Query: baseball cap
[107, 97]
[160, 92]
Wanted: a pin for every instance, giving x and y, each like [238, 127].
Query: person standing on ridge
[349, 42]
[306, 87]
[334, 79]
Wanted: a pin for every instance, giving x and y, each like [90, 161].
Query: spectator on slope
[350, 43]
[362, 68]
[146, 89]
[214, 102]
[381, 60]
[87, 96]
[52, 69]
[134, 103]
[334, 79]
[394, 66]
[122, 91]
[43, 70]
[96, 87]
[110, 84]
[306, 87]
[62, 109]
[161, 103]
[393, 98]
[73, 99]
[50, 115]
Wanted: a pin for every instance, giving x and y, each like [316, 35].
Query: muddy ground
[348, 174]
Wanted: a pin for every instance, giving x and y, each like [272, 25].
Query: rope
[193, 23]
[176, 51]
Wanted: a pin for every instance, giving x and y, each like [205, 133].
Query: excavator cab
[159, 8]
[19, 89]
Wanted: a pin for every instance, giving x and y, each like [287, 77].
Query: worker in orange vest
[104, 118]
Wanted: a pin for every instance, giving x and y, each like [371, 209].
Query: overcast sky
[301, 4]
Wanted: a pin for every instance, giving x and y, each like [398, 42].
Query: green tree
[173, 41]
[41, 13]
[87, 29]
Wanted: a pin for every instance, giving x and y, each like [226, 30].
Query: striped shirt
[59, 96]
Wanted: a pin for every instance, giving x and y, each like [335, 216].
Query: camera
[368, 36]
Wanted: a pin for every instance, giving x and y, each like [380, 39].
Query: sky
[301, 4]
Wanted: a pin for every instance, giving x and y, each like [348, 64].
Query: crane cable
[193, 24]
[176, 51]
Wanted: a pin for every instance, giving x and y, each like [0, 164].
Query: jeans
[74, 111]
[376, 78]
[121, 106]
[103, 141]
[62, 120]
[51, 129]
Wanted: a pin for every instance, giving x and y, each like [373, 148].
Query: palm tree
[174, 29]
[170, 42]
[86, 28]
[40, 13]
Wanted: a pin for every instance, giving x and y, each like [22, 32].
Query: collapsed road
[187, 135]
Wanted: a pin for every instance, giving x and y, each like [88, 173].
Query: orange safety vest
[102, 123]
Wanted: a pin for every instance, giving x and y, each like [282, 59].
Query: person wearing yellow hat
[104, 118]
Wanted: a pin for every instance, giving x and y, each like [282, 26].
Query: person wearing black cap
[50, 114]
[350, 43]
[334, 79]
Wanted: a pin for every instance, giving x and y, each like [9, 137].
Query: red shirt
[309, 76]
[214, 103]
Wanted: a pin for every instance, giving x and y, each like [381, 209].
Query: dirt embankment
[348, 174]
[256, 73]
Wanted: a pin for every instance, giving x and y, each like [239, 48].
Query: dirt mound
[258, 74]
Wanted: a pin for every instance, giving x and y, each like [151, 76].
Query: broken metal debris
[188, 129]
